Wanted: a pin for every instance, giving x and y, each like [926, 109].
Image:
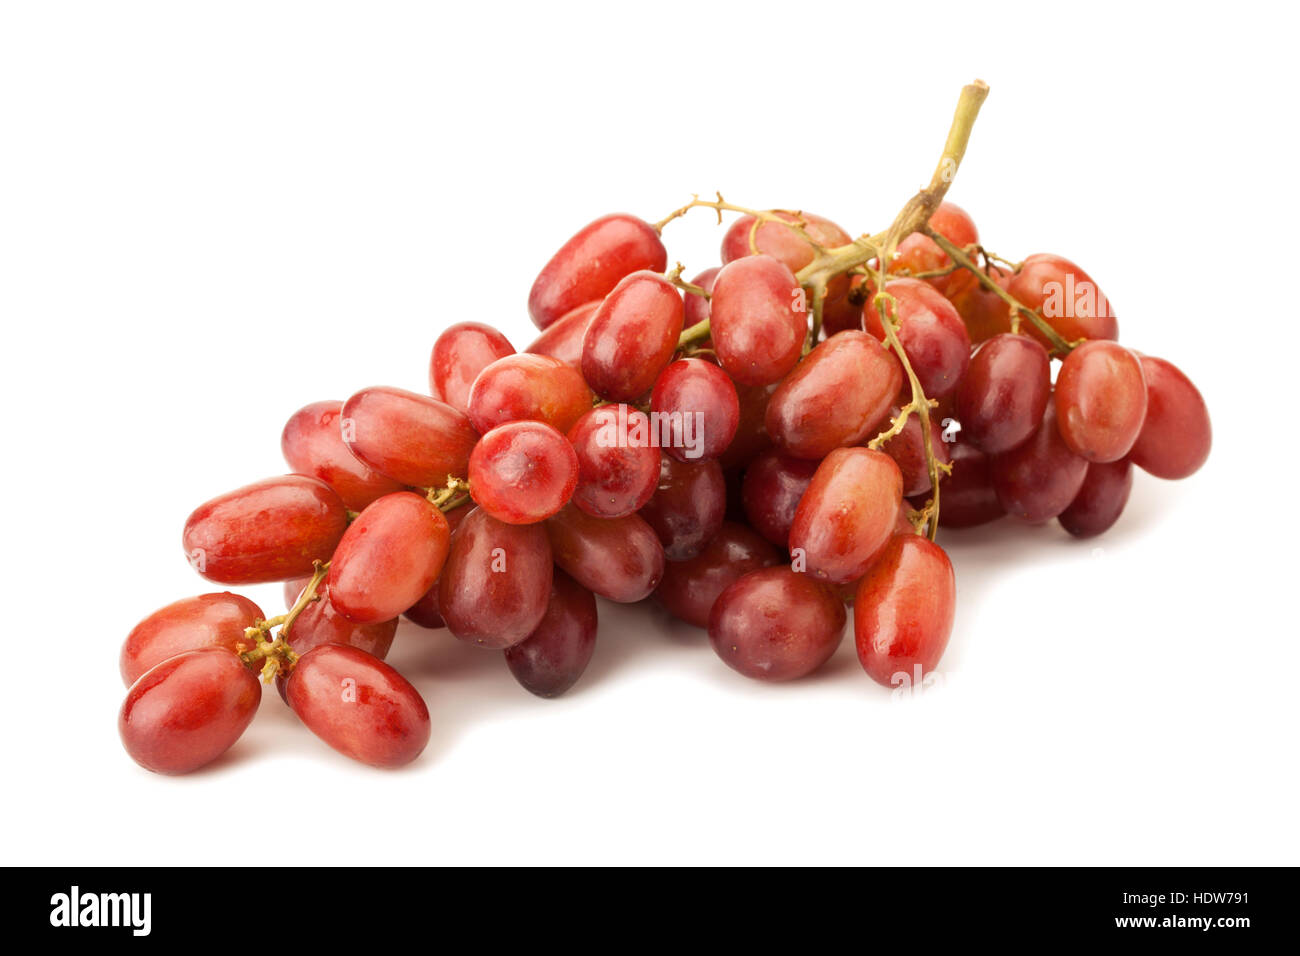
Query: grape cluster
[757, 449]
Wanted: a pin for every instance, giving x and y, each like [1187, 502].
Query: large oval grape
[411, 438]
[208, 620]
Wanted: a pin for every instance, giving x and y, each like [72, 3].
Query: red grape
[775, 624]
[618, 558]
[209, 620]
[690, 587]
[424, 612]
[618, 468]
[527, 387]
[321, 623]
[904, 609]
[985, 313]
[188, 710]
[919, 253]
[562, 339]
[759, 319]
[751, 430]
[1100, 500]
[591, 263]
[781, 242]
[1037, 480]
[553, 657]
[267, 531]
[1001, 400]
[834, 397]
[700, 402]
[312, 444]
[1066, 295]
[908, 451]
[967, 495]
[632, 336]
[930, 332]
[412, 438]
[459, 354]
[358, 705]
[847, 514]
[687, 507]
[774, 483]
[697, 306]
[1175, 438]
[496, 582]
[1101, 400]
[388, 558]
[523, 472]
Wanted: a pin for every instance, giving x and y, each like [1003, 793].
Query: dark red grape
[618, 468]
[908, 451]
[496, 582]
[930, 332]
[411, 438]
[847, 514]
[751, 430]
[1037, 480]
[358, 705]
[188, 710]
[904, 609]
[459, 354]
[632, 337]
[388, 558]
[690, 587]
[590, 264]
[837, 396]
[562, 339]
[1175, 438]
[553, 657]
[773, 485]
[523, 472]
[775, 624]
[759, 319]
[1100, 500]
[699, 402]
[1001, 400]
[209, 620]
[967, 497]
[312, 444]
[687, 507]
[321, 623]
[271, 530]
[528, 387]
[1067, 297]
[1101, 400]
[618, 558]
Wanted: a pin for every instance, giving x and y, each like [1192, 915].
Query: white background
[213, 214]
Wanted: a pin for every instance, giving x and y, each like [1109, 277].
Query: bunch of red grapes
[747, 450]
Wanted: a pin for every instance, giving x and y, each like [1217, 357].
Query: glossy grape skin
[904, 609]
[835, 397]
[312, 443]
[689, 588]
[751, 437]
[523, 472]
[984, 312]
[773, 485]
[781, 242]
[759, 320]
[688, 506]
[930, 332]
[908, 451]
[967, 497]
[424, 612]
[1067, 297]
[411, 438]
[208, 620]
[358, 705]
[496, 582]
[459, 354]
[270, 530]
[847, 514]
[1100, 500]
[919, 253]
[1101, 400]
[1175, 438]
[617, 558]
[617, 473]
[632, 337]
[591, 263]
[1037, 480]
[388, 558]
[188, 710]
[1001, 399]
[553, 657]
[775, 624]
[321, 623]
[699, 389]
[527, 387]
[562, 339]
[697, 306]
